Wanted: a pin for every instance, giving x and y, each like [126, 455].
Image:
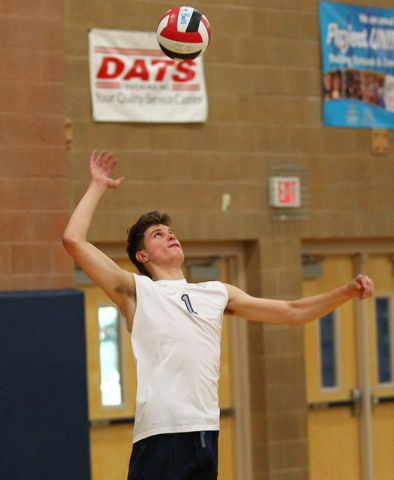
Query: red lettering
[138, 70]
[188, 72]
[162, 64]
[110, 63]
[287, 192]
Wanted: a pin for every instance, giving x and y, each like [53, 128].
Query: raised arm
[297, 312]
[118, 284]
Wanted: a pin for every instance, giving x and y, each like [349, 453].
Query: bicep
[118, 284]
[245, 306]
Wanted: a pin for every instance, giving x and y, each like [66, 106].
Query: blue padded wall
[44, 433]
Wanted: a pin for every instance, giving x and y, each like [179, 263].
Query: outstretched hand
[101, 169]
[361, 287]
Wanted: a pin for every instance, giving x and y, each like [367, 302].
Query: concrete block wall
[263, 77]
[263, 80]
[33, 162]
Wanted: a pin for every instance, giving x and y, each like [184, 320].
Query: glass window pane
[382, 309]
[111, 391]
[328, 351]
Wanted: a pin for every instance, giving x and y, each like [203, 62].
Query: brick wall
[33, 163]
[263, 79]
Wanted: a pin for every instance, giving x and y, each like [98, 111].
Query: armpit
[125, 291]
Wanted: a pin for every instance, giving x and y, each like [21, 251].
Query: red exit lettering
[112, 68]
[287, 193]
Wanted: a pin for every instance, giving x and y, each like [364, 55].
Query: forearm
[297, 312]
[81, 219]
[311, 308]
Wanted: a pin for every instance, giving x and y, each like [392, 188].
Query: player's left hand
[362, 287]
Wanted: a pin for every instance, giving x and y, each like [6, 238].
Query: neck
[160, 273]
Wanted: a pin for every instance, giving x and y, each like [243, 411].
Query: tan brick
[31, 33]
[18, 7]
[12, 96]
[286, 426]
[238, 21]
[45, 98]
[103, 136]
[77, 103]
[33, 161]
[236, 138]
[33, 194]
[76, 41]
[286, 370]
[288, 454]
[52, 9]
[269, 23]
[61, 261]
[14, 226]
[52, 66]
[230, 79]
[221, 50]
[48, 226]
[119, 14]
[15, 282]
[18, 63]
[53, 281]
[37, 129]
[301, 473]
[30, 258]
[281, 398]
[5, 260]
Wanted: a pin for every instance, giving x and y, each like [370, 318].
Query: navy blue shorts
[175, 456]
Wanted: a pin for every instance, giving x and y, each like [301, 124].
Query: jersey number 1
[188, 304]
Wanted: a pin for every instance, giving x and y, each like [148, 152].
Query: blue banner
[358, 65]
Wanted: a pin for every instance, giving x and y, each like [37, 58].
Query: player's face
[161, 245]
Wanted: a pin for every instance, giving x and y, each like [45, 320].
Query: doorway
[350, 368]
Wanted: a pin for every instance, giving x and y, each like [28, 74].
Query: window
[111, 388]
[383, 339]
[328, 353]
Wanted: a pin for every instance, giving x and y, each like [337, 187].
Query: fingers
[366, 285]
[104, 162]
[92, 157]
[115, 183]
[101, 160]
[112, 165]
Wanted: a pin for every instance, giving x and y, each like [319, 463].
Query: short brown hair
[136, 241]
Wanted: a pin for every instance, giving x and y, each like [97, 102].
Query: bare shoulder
[235, 294]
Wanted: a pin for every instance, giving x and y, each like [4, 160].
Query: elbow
[69, 242]
[294, 317]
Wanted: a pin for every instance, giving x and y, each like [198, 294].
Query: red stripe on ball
[173, 20]
[184, 37]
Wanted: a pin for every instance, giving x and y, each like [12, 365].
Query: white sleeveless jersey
[176, 345]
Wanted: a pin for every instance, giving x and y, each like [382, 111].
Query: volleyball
[183, 33]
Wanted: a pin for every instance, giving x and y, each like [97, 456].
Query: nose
[171, 236]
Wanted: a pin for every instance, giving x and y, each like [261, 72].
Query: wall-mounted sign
[357, 45]
[285, 192]
[131, 80]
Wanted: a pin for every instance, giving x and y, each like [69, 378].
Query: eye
[158, 234]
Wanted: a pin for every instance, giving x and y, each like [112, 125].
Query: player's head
[136, 236]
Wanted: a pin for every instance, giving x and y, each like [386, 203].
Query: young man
[176, 329]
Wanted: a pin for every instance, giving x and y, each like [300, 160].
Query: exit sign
[285, 192]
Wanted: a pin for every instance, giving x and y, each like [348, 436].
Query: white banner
[131, 80]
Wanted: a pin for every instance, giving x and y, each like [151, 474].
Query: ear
[141, 256]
